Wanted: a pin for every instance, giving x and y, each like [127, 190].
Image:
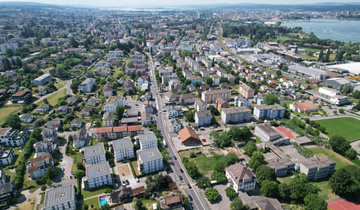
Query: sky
[120, 3]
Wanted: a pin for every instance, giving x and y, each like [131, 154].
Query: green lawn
[340, 160]
[60, 84]
[96, 191]
[346, 126]
[94, 201]
[204, 164]
[325, 190]
[77, 159]
[8, 110]
[53, 99]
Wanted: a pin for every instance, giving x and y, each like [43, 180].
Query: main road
[176, 164]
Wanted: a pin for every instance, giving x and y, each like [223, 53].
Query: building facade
[235, 115]
[149, 160]
[94, 154]
[122, 148]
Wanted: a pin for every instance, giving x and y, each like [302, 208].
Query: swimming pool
[102, 202]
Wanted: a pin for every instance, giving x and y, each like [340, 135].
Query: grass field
[96, 191]
[345, 126]
[204, 164]
[340, 160]
[8, 110]
[53, 99]
[29, 204]
[60, 84]
[325, 190]
[94, 201]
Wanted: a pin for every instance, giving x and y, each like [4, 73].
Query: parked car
[204, 140]
[124, 183]
[180, 177]
[175, 157]
[127, 182]
[182, 171]
[190, 198]
[189, 186]
[137, 179]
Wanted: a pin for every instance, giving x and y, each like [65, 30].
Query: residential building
[203, 118]
[55, 123]
[148, 107]
[221, 103]
[85, 112]
[92, 102]
[246, 91]
[80, 138]
[171, 201]
[275, 111]
[318, 167]
[42, 80]
[87, 85]
[97, 175]
[6, 156]
[50, 133]
[117, 132]
[147, 141]
[241, 101]
[195, 79]
[38, 166]
[149, 160]
[146, 118]
[60, 198]
[63, 110]
[171, 97]
[240, 177]
[42, 108]
[128, 86]
[188, 137]
[200, 105]
[2, 176]
[114, 101]
[260, 202]
[122, 148]
[94, 154]
[77, 123]
[303, 106]
[259, 99]
[175, 125]
[211, 95]
[173, 111]
[108, 119]
[216, 79]
[13, 137]
[21, 96]
[42, 147]
[42, 90]
[7, 192]
[236, 114]
[107, 89]
[188, 98]
[27, 118]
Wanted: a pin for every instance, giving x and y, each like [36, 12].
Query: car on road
[180, 177]
[62, 169]
[117, 185]
[175, 157]
[189, 186]
[136, 104]
[190, 198]
[182, 171]
[137, 179]
[203, 140]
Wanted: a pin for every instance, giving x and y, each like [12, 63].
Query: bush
[43, 188]
[192, 155]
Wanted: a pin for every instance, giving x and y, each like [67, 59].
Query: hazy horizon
[143, 3]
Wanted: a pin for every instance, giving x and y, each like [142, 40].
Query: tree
[119, 112]
[223, 140]
[342, 183]
[60, 71]
[269, 188]
[209, 81]
[321, 55]
[203, 182]
[356, 94]
[13, 121]
[327, 56]
[339, 144]
[79, 174]
[278, 73]
[257, 159]
[185, 200]
[130, 64]
[214, 111]
[264, 173]
[284, 190]
[351, 154]
[246, 133]
[220, 166]
[9, 53]
[137, 203]
[230, 192]
[218, 176]
[189, 116]
[271, 99]
[348, 88]
[36, 134]
[235, 133]
[236, 204]
[211, 194]
[50, 173]
[313, 202]
[231, 159]
[250, 147]
[214, 135]
[73, 42]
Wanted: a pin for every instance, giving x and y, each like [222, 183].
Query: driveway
[123, 172]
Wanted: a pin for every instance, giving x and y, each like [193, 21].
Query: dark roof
[6, 188]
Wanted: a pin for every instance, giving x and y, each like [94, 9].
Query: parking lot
[123, 172]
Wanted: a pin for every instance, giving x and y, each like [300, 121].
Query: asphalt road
[176, 165]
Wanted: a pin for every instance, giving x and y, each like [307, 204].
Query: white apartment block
[12, 138]
[114, 101]
[275, 111]
[122, 148]
[149, 160]
[60, 198]
[87, 85]
[94, 154]
[266, 133]
[97, 175]
[147, 141]
[241, 178]
[236, 114]
[318, 167]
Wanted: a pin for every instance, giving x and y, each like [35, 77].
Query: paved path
[68, 91]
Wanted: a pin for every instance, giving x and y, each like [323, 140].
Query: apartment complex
[87, 85]
[147, 141]
[108, 119]
[13, 137]
[97, 175]
[318, 167]
[118, 132]
[149, 160]
[38, 166]
[114, 101]
[236, 114]
[246, 91]
[275, 111]
[211, 95]
[94, 154]
[122, 148]
[42, 80]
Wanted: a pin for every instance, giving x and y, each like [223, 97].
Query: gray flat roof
[150, 154]
[149, 137]
[125, 120]
[97, 170]
[123, 143]
[306, 70]
[95, 150]
[59, 195]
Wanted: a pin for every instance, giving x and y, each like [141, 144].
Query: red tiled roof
[186, 133]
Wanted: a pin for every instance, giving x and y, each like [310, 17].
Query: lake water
[342, 30]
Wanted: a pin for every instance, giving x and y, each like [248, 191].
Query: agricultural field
[346, 126]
